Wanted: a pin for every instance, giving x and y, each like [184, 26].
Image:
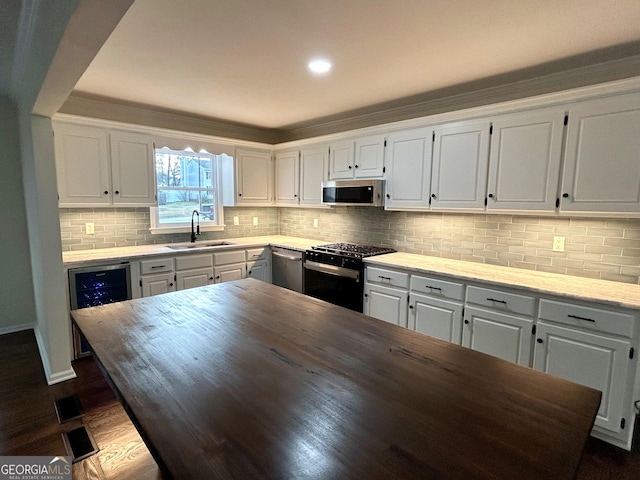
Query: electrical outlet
[236, 220]
[558, 244]
[315, 223]
[89, 228]
[255, 221]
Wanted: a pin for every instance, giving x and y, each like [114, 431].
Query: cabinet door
[254, 177]
[524, 164]
[505, 336]
[198, 277]
[597, 361]
[438, 318]
[460, 158]
[313, 171]
[341, 160]
[386, 303]
[132, 169]
[287, 178]
[157, 284]
[602, 164]
[227, 273]
[82, 166]
[259, 270]
[408, 172]
[369, 157]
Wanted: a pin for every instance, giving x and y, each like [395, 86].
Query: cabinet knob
[117, 192]
[490, 195]
[565, 195]
[411, 307]
[239, 194]
[349, 167]
[433, 195]
[539, 340]
[466, 322]
[388, 196]
[356, 166]
[218, 277]
[295, 195]
[249, 272]
[366, 295]
[171, 284]
[210, 278]
[106, 192]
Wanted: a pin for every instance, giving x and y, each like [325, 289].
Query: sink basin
[186, 246]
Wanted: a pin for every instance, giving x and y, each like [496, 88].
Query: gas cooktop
[352, 250]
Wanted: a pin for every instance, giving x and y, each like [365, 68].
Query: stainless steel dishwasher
[287, 268]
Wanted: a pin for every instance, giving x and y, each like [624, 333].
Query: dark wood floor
[29, 426]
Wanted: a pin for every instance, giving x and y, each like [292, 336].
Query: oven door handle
[333, 270]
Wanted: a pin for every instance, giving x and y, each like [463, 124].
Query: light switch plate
[236, 220]
[255, 220]
[315, 223]
[89, 228]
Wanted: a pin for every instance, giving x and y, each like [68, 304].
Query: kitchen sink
[187, 246]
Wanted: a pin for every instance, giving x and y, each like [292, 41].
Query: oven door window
[342, 291]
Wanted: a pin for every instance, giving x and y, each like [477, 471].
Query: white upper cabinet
[254, 177]
[287, 178]
[408, 172]
[99, 168]
[313, 170]
[341, 156]
[459, 176]
[369, 157]
[602, 160]
[132, 172]
[524, 164]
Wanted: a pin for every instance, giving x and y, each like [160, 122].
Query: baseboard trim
[16, 328]
[51, 377]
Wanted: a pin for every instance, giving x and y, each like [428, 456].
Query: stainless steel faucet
[197, 231]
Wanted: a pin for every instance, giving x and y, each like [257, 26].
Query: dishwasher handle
[287, 257]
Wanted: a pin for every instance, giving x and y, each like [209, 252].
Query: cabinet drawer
[224, 258]
[439, 288]
[255, 254]
[388, 277]
[188, 262]
[502, 301]
[587, 317]
[156, 265]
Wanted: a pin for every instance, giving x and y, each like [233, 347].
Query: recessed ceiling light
[319, 66]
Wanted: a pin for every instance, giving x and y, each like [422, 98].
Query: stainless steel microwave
[353, 193]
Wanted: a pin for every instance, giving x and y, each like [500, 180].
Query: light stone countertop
[82, 258]
[578, 288]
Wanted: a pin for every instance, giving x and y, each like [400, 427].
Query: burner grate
[352, 249]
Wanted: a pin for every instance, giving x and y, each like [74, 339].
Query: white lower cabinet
[437, 318]
[386, 303]
[592, 347]
[227, 273]
[156, 277]
[506, 336]
[259, 270]
[194, 271]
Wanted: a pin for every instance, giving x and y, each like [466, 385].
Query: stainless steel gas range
[335, 272]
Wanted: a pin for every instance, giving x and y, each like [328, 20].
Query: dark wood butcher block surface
[246, 380]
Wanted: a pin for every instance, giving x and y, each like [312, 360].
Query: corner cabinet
[97, 167]
[254, 177]
[602, 160]
[408, 171]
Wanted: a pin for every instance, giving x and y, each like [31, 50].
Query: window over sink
[186, 181]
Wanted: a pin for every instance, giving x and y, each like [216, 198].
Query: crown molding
[123, 112]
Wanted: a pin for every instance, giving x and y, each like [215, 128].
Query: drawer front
[224, 258]
[501, 301]
[188, 262]
[156, 265]
[255, 254]
[587, 317]
[438, 288]
[387, 277]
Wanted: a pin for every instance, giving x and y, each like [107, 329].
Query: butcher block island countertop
[246, 380]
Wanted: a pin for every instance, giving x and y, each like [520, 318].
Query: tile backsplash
[597, 248]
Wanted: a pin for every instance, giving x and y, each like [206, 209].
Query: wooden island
[246, 380]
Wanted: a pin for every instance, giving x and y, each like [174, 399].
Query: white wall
[17, 308]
